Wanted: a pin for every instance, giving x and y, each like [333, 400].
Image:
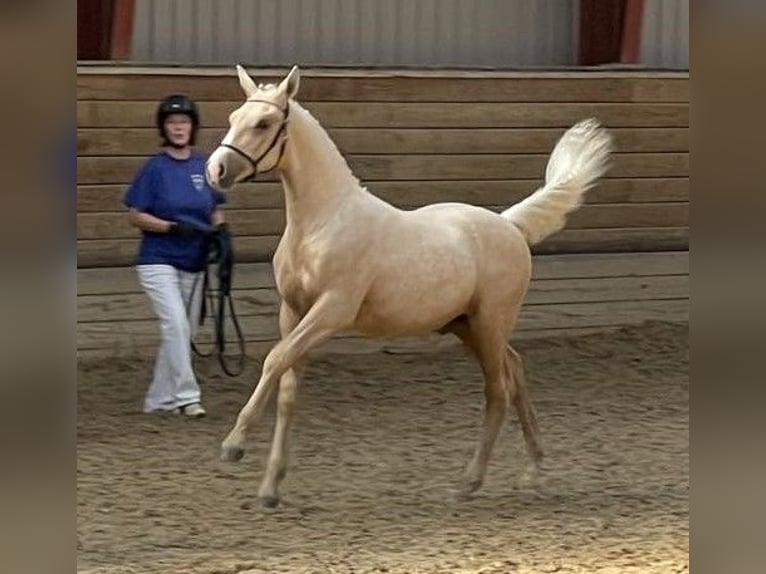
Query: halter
[254, 162]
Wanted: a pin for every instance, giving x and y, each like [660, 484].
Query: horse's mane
[325, 137]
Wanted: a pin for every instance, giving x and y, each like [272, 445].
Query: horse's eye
[262, 125]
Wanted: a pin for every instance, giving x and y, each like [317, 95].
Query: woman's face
[178, 129]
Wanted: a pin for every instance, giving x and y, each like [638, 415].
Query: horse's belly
[409, 307]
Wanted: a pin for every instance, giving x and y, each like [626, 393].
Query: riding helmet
[177, 104]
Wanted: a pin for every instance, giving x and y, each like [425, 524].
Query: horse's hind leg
[486, 341]
[526, 412]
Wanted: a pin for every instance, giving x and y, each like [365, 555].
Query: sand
[379, 443]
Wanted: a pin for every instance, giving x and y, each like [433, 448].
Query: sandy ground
[380, 441]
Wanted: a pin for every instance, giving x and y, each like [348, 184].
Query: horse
[349, 261]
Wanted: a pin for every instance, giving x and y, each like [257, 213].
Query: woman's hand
[217, 217]
[148, 222]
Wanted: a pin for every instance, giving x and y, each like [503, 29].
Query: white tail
[578, 160]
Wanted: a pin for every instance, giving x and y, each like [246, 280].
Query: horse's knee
[274, 364]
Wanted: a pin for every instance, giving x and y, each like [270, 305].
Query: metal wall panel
[457, 33]
[665, 37]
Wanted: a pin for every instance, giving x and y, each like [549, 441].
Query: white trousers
[172, 291]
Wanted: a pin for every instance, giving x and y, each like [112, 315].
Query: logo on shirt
[198, 181]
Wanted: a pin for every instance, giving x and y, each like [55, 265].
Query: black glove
[183, 229]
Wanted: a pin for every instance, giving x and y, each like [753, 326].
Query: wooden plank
[264, 195]
[120, 334]
[257, 222]
[117, 252]
[134, 306]
[615, 240]
[595, 265]
[630, 215]
[520, 87]
[124, 280]
[101, 334]
[595, 289]
[243, 222]
[601, 313]
[93, 113]
[257, 350]
[108, 197]
[144, 141]
[255, 302]
[258, 276]
[121, 170]
[495, 166]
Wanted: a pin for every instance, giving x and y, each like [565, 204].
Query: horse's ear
[247, 83]
[291, 82]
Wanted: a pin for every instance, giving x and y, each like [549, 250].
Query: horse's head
[257, 132]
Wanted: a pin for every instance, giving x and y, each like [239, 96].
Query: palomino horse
[350, 261]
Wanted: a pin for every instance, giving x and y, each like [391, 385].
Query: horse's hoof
[471, 486]
[268, 501]
[232, 454]
[466, 490]
[460, 496]
[529, 477]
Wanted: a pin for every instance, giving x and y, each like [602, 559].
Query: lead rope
[203, 309]
[223, 257]
[225, 270]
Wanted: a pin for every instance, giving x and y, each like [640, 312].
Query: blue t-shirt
[174, 190]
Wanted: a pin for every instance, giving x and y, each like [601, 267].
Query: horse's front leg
[288, 386]
[330, 314]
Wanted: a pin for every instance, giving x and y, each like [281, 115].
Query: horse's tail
[578, 160]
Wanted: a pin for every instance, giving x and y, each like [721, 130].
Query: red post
[610, 31]
[122, 29]
[600, 31]
[631, 31]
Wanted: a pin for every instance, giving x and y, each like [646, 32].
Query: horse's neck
[315, 176]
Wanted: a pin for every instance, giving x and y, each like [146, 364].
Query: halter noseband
[254, 162]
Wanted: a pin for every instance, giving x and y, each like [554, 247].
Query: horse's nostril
[221, 171]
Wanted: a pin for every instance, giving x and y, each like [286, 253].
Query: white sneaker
[194, 410]
[161, 411]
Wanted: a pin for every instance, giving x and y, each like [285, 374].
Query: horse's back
[434, 262]
[500, 254]
[485, 230]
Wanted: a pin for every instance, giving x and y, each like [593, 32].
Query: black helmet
[177, 104]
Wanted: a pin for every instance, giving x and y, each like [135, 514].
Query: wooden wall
[413, 138]
[572, 293]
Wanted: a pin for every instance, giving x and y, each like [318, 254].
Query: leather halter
[254, 162]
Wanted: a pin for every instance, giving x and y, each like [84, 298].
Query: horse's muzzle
[222, 168]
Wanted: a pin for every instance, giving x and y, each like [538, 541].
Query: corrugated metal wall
[450, 33]
[665, 37]
[470, 33]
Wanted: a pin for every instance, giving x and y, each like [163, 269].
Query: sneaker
[194, 410]
[161, 411]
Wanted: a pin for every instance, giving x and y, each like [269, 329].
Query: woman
[175, 209]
